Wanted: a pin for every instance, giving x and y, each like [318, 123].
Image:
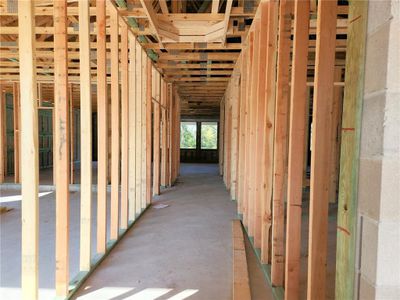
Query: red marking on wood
[348, 129]
[344, 230]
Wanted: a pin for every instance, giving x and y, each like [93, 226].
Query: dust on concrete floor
[178, 252]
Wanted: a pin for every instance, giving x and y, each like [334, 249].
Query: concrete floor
[178, 252]
[183, 250]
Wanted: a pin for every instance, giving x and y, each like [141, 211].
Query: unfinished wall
[379, 175]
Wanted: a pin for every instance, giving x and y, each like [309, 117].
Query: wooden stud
[132, 129]
[71, 133]
[148, 129]
[16, 125]
[144, 141]
[297, 129]
[102, 129]
[235, 136]
[156, 135]
[321, 148]
[269, 127]
[139, 126]
[124, 125]
[170, 130]
[164, 136]
[61, 155]
[280, 143]
[3, 151]
[242, 131]
[29, 152]
[86, 136]
[221, 136]
[350, 151]
[115, 126]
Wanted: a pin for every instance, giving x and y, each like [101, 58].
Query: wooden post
[242, 131]
[221, 136]
[350, 151]
[29, 152]
[170, 131]
[72, 132]
[143, 159]
[115, 131]
[247, 129]
[337, 106]
[124, 125]
[280, 143]
[86, 136]
[260, 114]
[254, 213]
[156, 136]
[139, 126]
[297, 129]
[3, 143]
[235, 134]
[164, 136]
[321, 148]
[61, 149]
[16, 112]
[102, 127]
[248, 112]
[132, 129]
[148, 129]
[269, 127]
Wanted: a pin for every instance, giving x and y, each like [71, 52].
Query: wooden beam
[156, 134]
[226, 20]
[86, 137]
[115, 126]
[280, 143]
[61, 143]
[164, 7]
[148, 129]
[152, 17]
[102, 129]
[29, 152]
[16, 125]
[350, 151]
[124, 125]
[215, 6]
[298, 99]
[133, 130]
[321, 148]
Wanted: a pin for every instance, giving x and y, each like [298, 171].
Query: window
[188, 135]
[209, 135]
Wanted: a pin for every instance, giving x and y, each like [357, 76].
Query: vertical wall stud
[102, 129]
[124, 125]
[29, 152]
[61, 153]
[115, 131]
[321, 148]
[297, 129]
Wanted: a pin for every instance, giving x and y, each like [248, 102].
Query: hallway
[175, 252]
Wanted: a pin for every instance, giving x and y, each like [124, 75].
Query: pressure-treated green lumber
[29, 153]
[350, 149]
